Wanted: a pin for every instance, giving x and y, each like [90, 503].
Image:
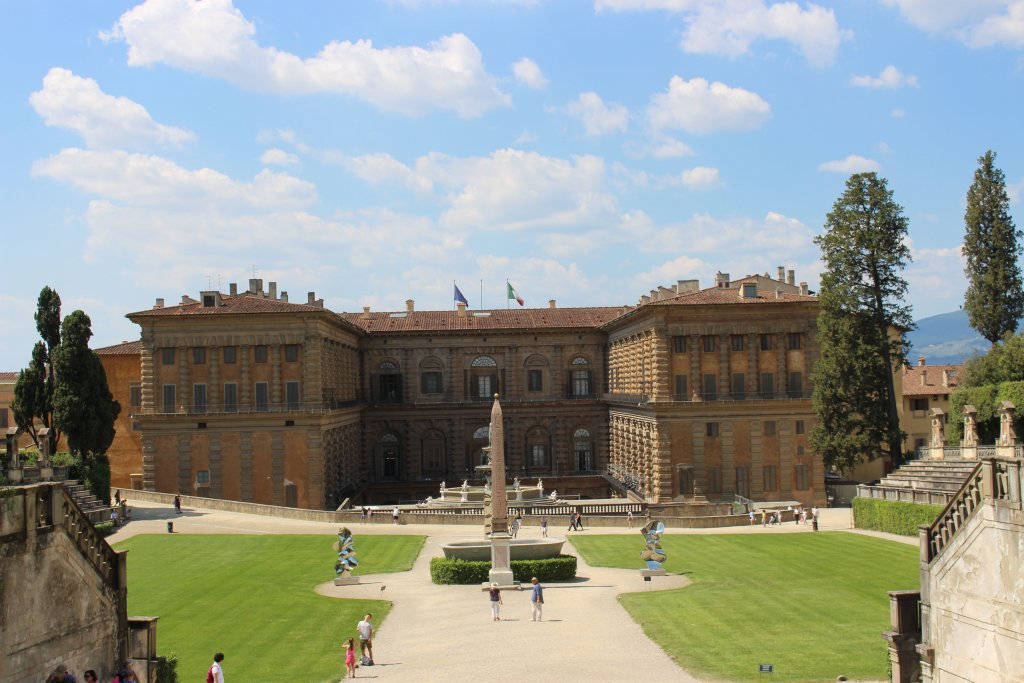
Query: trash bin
[170, 527]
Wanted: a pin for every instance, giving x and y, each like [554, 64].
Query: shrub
[445, 570]
[105, 528]
[167, 669]
[892, 517]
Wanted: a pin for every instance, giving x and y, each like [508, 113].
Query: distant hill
[946, 338]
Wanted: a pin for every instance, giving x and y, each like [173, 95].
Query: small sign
[647, 578]
[766, 668]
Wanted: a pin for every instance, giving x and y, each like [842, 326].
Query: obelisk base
[501, 569]
[346, 581]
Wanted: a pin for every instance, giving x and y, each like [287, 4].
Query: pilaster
[277, 467]
[245, 383]
[216, 489]
[245, 465]
[185, 465]
[275, 375]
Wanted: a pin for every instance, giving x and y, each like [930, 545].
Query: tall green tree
[33, 391]
[82, 403]
[995, 296]
[860, 324]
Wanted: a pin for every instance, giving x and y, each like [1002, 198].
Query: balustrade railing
[633, 482]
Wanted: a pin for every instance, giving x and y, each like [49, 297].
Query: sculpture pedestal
[501, 569]
[646, 573]
[346, 581]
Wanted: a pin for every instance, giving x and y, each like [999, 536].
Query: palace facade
[248, 396]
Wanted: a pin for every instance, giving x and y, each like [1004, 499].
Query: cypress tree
[33, 390]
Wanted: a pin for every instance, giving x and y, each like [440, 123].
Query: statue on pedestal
[653, 554]
[970, 427]
[346, 558]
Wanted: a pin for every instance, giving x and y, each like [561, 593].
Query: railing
[238, 409]
[634, 399]
[717, 397]
[952, 452]
[633, 482]
[442, 401]
[988, 451]
[603, 509]
[91, 544]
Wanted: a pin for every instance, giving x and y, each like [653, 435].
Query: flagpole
[453, 294]
[507, 285]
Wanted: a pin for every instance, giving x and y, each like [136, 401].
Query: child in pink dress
[350, 657]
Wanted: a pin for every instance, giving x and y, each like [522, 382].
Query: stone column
[696, 380]
[245, 466]
[787, 471]
[699, 462]
[277, 467]
[753, 372]
[728, 458]
[185, 466]
[782, 382]
[315, 465]
[661, 367]
[938, 442]
[1007, 435]
[215, 466]
[147, 363]
[969, 444]
[148, 463]
[724, 377]
[756, 460]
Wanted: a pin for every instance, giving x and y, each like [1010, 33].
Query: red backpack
[209, 675]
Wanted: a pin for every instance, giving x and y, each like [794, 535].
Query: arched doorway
[583, 449]
[388, 457]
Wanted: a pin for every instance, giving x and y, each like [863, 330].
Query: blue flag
[459, 297]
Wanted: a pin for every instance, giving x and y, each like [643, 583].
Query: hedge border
[453, 571]
[891, 516]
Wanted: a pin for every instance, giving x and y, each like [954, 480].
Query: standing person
[495, 595]
[814, 517]
[216, 671]
[629, 519]
[572, 520]
[350, 657]
[764, 517]
[395, 513]
[750, 514]
[113, 516]
[803, 515]
[543, 527]
[177, 504]
[117, 496]
[537, 600]
[579, 521]
[365, 628]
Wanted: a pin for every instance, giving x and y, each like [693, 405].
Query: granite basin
[521, 549]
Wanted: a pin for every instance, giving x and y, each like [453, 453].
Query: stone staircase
[922, 481]
[94, 509]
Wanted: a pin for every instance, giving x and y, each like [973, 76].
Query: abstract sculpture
[346, 558]
[653, 554]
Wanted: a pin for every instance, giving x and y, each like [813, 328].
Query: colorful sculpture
[346, 556]
[653, 554]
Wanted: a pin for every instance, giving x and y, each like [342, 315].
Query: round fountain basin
[521, 549]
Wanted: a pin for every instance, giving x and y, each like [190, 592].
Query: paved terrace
[446, 632]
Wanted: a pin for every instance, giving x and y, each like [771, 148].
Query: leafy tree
[995, 297]
[82, 403]
[860, 323]
[33, 391]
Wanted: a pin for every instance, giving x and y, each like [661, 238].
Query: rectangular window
[710, 387]
[291, 352]
[169, 398]
[799, 450]
[259, 354]
[767, 385]
[681, 393]
[230, 353]
[709, 343]
[798, 426]
[737, 342]
[743, 481]
[430, 382]
[167, 356]
[771, 482]
[678, 344]
[198, 355]
[714, 480]
[199, 398]
[135, 396]
[484, 386]
[738, 389]
[581, 382]
[766, 342]
[538, 455]
[793, 340]
[796, 385]
[712, 429]
[802, 482]
[391, 388]
[919, 404]
[3, 418]
[291, 390]
[230, 397]
[203, 477]
[769, 428]
[534, 380]
[262, 397]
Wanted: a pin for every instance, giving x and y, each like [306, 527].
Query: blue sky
[376, 151]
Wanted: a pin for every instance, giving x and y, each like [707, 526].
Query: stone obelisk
[501, 570]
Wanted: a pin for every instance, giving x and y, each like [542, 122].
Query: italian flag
[512, 294]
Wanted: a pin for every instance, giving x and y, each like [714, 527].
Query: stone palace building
[249, 396]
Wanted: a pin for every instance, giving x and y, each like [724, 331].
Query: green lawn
[251, 597]
[813, 605]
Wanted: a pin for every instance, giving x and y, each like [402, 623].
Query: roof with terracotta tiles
[926, 380]
[728, 295]
[8, 377]
[127, 348]
[230, 305]
[493, 319]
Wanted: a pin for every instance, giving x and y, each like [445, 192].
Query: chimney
[654, 295]
[273, 290]
[945, 378]
[782, 273]
[551, 303]
[186, 299]
[665, 292]
[311, 298]
[159, 303]
[255, 285]
[410, 305]
[233, 289]
[462, 310]
[778, 292]
[284, 297]
[920, 361]
[803, 289]
[687, 286]
[365, 315]
[645, 300]
[791, 277]
[722, 280]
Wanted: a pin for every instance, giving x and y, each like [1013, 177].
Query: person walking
[579, 521]
[177, 504]
[365, 628]
[814, 518]
[537, 600]
[350, 657]
[495, 595]
[395, 513]
[750, 514]
[543, 527]
[629, 519]
[216, 672]
[572, 521]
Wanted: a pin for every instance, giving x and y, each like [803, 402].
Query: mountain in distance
[945, 339]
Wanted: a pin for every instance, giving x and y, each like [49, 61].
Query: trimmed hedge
[105, 528]
[892, 517]
[445, 570]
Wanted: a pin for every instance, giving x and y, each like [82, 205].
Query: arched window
[580, 378]
[388, 456]
[583, 449]
[538, 449]
[536, 368]
[483, 432]
[482, 378]
[431, 376]
[484, 362]
[387, 383]
[387, 365]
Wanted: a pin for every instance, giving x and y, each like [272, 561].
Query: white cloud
[525, 138]
[380, 168]
[898, 113]
[597, 117]
[700, 178]
[278, 157]
[851, 164]
[884, 148]
[699, 107]
[891, 78]
[936, 276]
[529, 74]
[977, 24]
[213, 38]
[667, 148]
[103, 121]
[730, 27]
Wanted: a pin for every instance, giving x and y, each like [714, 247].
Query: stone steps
[945, 476]
[93, 508]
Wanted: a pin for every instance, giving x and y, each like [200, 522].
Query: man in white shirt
[216, 672]
[365, 628]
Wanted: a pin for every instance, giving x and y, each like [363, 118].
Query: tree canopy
[994, 300]
[33, 390]
[861, 318]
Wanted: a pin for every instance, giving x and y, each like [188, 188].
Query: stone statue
[465, 484]
[970, 427]
[554, 495]
[346, 555]
[1007, 435]
[938, 428]
[540, 485]
[653, 554]
[515, 483]
[443, 488]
